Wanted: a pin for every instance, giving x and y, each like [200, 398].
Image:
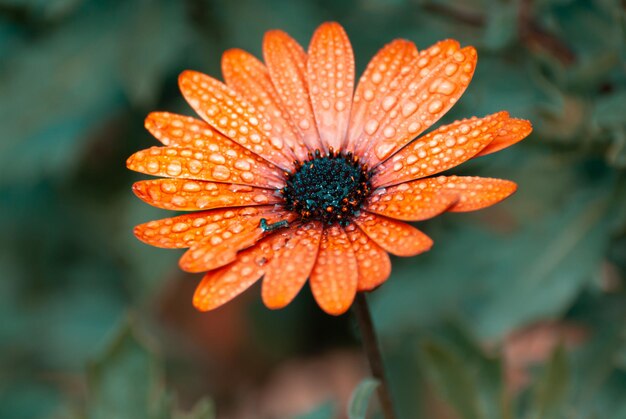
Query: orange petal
[387, 65]
[184, 131]
[226, 111]
[248, 76]
[330, 71]
[396, 237]
[411, 201]
[474, 192]
[185, 230]
[222, 285]
[290, 268]
[225, 165]
[221, 247]
[286, 63]
[335, 275]
[514, 131]
[373, 262]
[423, 96]
[195, 195]
[441, 149]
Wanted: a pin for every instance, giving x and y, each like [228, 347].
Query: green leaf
[452, 380]
[126, 382]
[324, 411]
[359, 401]
[551, 389]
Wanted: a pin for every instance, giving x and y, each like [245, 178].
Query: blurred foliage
[77, 78]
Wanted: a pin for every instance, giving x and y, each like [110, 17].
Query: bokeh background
[519, 311]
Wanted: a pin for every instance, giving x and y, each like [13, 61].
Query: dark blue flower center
[330, 188]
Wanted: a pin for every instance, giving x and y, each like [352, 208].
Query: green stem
[372, 351]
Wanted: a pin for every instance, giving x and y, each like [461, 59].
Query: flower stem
[372, 351]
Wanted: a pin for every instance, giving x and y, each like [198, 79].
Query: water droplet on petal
[371, 126]
[389, 131]
[174, 168]
[221, 172]
[435, 106]
[383, 150]
[388, 102]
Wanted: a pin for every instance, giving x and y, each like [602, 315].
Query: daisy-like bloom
[292, 174]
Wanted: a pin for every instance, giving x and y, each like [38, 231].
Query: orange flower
[293, 174]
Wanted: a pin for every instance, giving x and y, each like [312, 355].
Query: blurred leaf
[324, 411]
[452, 380]
[502, 24]
[360, 398]
[127, 381]
[551, 388]
[203, 409]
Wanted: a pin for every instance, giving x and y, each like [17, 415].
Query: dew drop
[389, 131]
[435, 106]
[414, 127]
[340, 105]
[221, 172]
[304, 124]
[377, 77]
[174, 168]
[371, 126]
[408, 109]
[388, 102]
[180, 227]
[152, 166]
[242, 165]
[383, 150]
[277, 143]
[451, 69]
[191, 187]
[217, 158]
[368, 95]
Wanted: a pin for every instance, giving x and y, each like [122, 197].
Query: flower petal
[248, 76]
[396, 237]
[441, 149]
[195, 195]
[185, 230]
[514, 131]
[221, 247]
[222, 285]
[386, 66]
[421, 98]
[226, 111]
[373, 262]
[474, 192]
[184, 131]
[411, 201]
[291, 267]
[286, 63]
[330, 71]
[226, 165]
[335, 276]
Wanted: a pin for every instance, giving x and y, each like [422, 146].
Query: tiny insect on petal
[221, 247]
[290, 268]
[222, 285]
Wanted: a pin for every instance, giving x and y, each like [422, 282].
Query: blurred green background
[519, 311]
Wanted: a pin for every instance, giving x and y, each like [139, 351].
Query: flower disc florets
[330, 188]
